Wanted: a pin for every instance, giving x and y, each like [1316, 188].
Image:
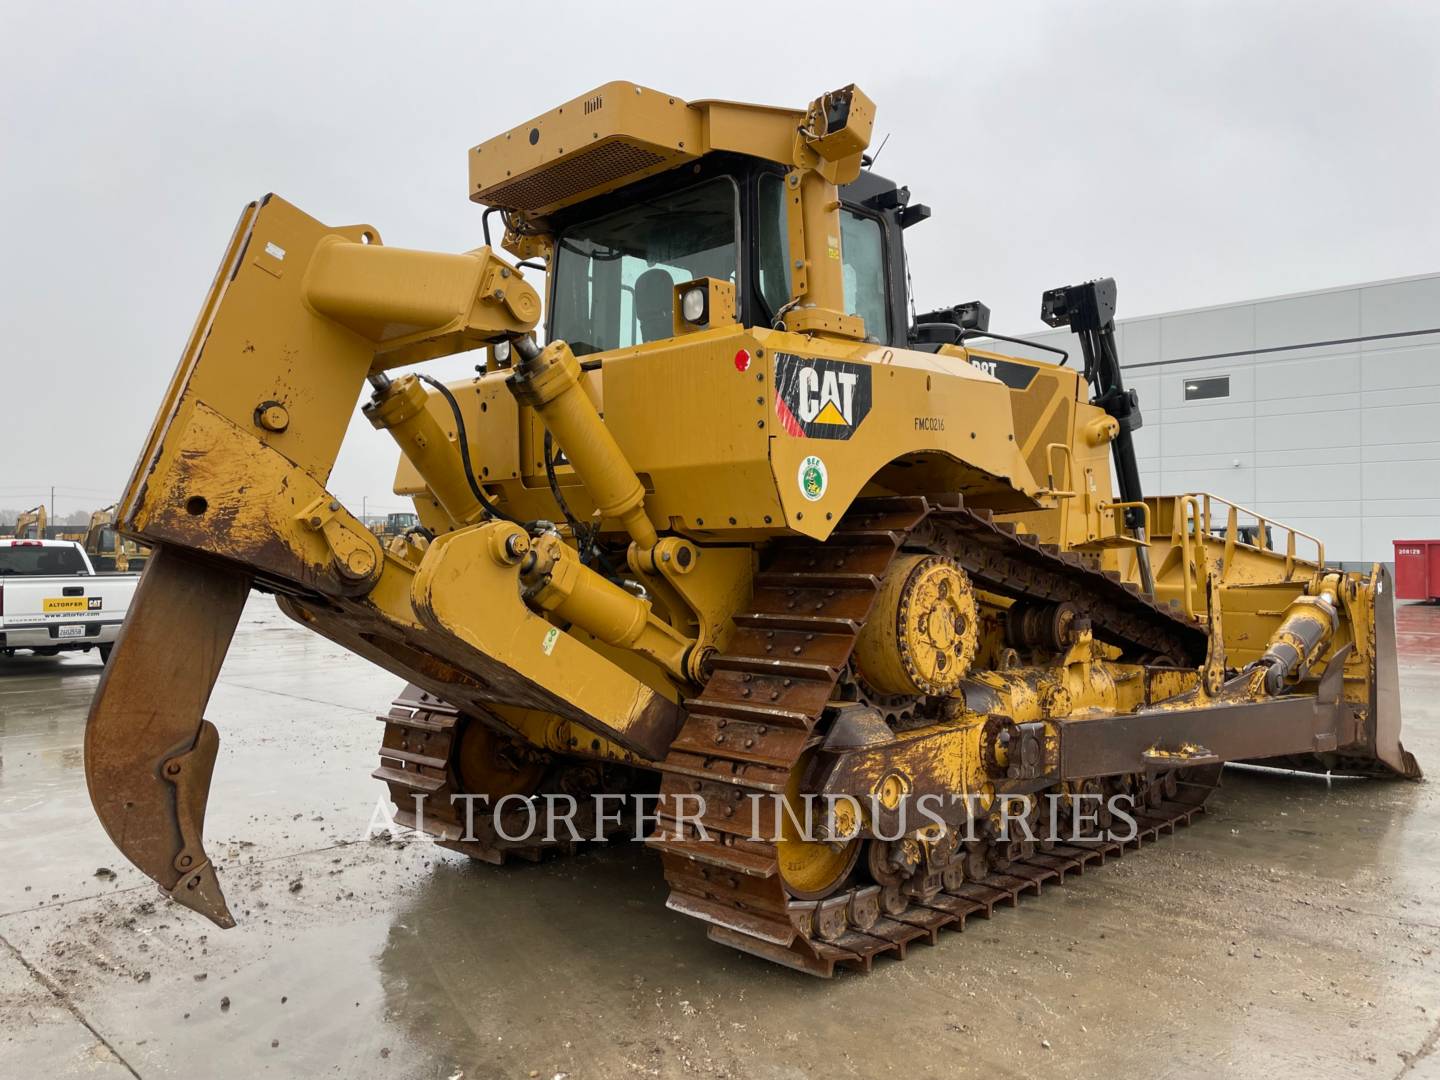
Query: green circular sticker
[813, 478]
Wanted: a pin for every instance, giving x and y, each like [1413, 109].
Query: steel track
[765, 703]
[417, 753]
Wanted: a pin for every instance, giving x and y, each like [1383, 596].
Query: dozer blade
[1370, 746]
[1384, 720]
[149, 754]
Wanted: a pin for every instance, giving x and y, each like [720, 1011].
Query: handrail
[1144, 508]
[1064, 356]
[914, 335]
[1066, 492]
[1140, 505]
[1198, 511]
[1232, 535]
[1192, 548]
[1263, 527]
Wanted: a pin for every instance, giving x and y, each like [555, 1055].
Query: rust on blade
[149, 754]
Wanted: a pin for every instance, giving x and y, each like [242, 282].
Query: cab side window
[862, 252]
[774, 244]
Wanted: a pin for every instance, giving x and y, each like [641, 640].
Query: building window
[1201, 389]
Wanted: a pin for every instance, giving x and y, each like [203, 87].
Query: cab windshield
[615, 275]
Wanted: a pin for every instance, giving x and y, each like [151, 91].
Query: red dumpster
[1417, 569]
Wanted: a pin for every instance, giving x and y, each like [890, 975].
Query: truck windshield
[25, 561]
[615, 275]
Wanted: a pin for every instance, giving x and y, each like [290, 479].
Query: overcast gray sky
[1199, 153]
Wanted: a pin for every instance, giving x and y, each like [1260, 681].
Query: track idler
[149, 753]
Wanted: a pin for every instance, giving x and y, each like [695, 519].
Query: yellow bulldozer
[871, 615]
[395, 525]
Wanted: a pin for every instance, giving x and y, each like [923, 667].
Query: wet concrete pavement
[1293, 931]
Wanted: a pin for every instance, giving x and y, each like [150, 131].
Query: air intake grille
[598, 166]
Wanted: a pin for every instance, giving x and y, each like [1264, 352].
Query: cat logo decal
[820, 399]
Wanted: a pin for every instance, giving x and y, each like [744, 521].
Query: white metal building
[1320, 409]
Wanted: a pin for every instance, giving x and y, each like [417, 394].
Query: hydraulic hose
[475, 488]
[581, 532]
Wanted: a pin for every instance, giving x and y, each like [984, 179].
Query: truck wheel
[105, 653]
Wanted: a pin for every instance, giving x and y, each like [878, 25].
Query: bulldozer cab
[620, 257]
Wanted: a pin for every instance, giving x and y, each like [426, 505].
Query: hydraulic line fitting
[560, 583]
[400, 407]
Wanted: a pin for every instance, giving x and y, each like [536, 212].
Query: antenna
[868, 160]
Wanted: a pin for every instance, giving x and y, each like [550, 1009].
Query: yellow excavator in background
[742, 530]
[31, 524]
[109, 551]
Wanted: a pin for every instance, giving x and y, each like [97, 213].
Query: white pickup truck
[51, 599]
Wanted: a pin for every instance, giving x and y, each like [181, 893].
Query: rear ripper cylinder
[400, 408]
[549, 381]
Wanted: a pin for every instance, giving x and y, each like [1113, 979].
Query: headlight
[501, 350]
[692, 305]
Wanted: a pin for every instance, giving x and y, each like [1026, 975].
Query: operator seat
[655, 304]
